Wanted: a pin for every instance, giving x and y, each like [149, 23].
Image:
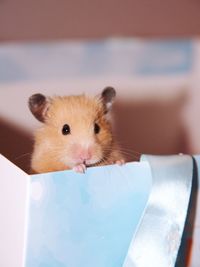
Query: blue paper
[86, 220]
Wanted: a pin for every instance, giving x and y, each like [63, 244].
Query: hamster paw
[81, 168]
[120, 162]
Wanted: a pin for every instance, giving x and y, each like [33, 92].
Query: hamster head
[75, 130]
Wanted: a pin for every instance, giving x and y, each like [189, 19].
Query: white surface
[14, 184]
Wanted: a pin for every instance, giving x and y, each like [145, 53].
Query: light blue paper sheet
[86, 220]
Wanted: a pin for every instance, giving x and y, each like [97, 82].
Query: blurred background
[148, 50]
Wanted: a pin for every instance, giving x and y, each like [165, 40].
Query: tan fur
[53, 150]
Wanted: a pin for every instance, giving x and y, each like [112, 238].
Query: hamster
[76, 132]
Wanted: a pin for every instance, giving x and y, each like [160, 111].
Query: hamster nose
[85, 155]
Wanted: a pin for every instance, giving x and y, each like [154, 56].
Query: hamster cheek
[97, 154]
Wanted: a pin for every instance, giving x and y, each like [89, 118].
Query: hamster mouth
[97, 163]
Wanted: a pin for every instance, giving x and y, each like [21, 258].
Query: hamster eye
[96, 128]
[65, 129]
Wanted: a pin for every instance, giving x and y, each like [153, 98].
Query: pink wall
[156, 128]
[49, 19]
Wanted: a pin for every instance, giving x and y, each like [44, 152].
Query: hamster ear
[108, 96]
[38, 105]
